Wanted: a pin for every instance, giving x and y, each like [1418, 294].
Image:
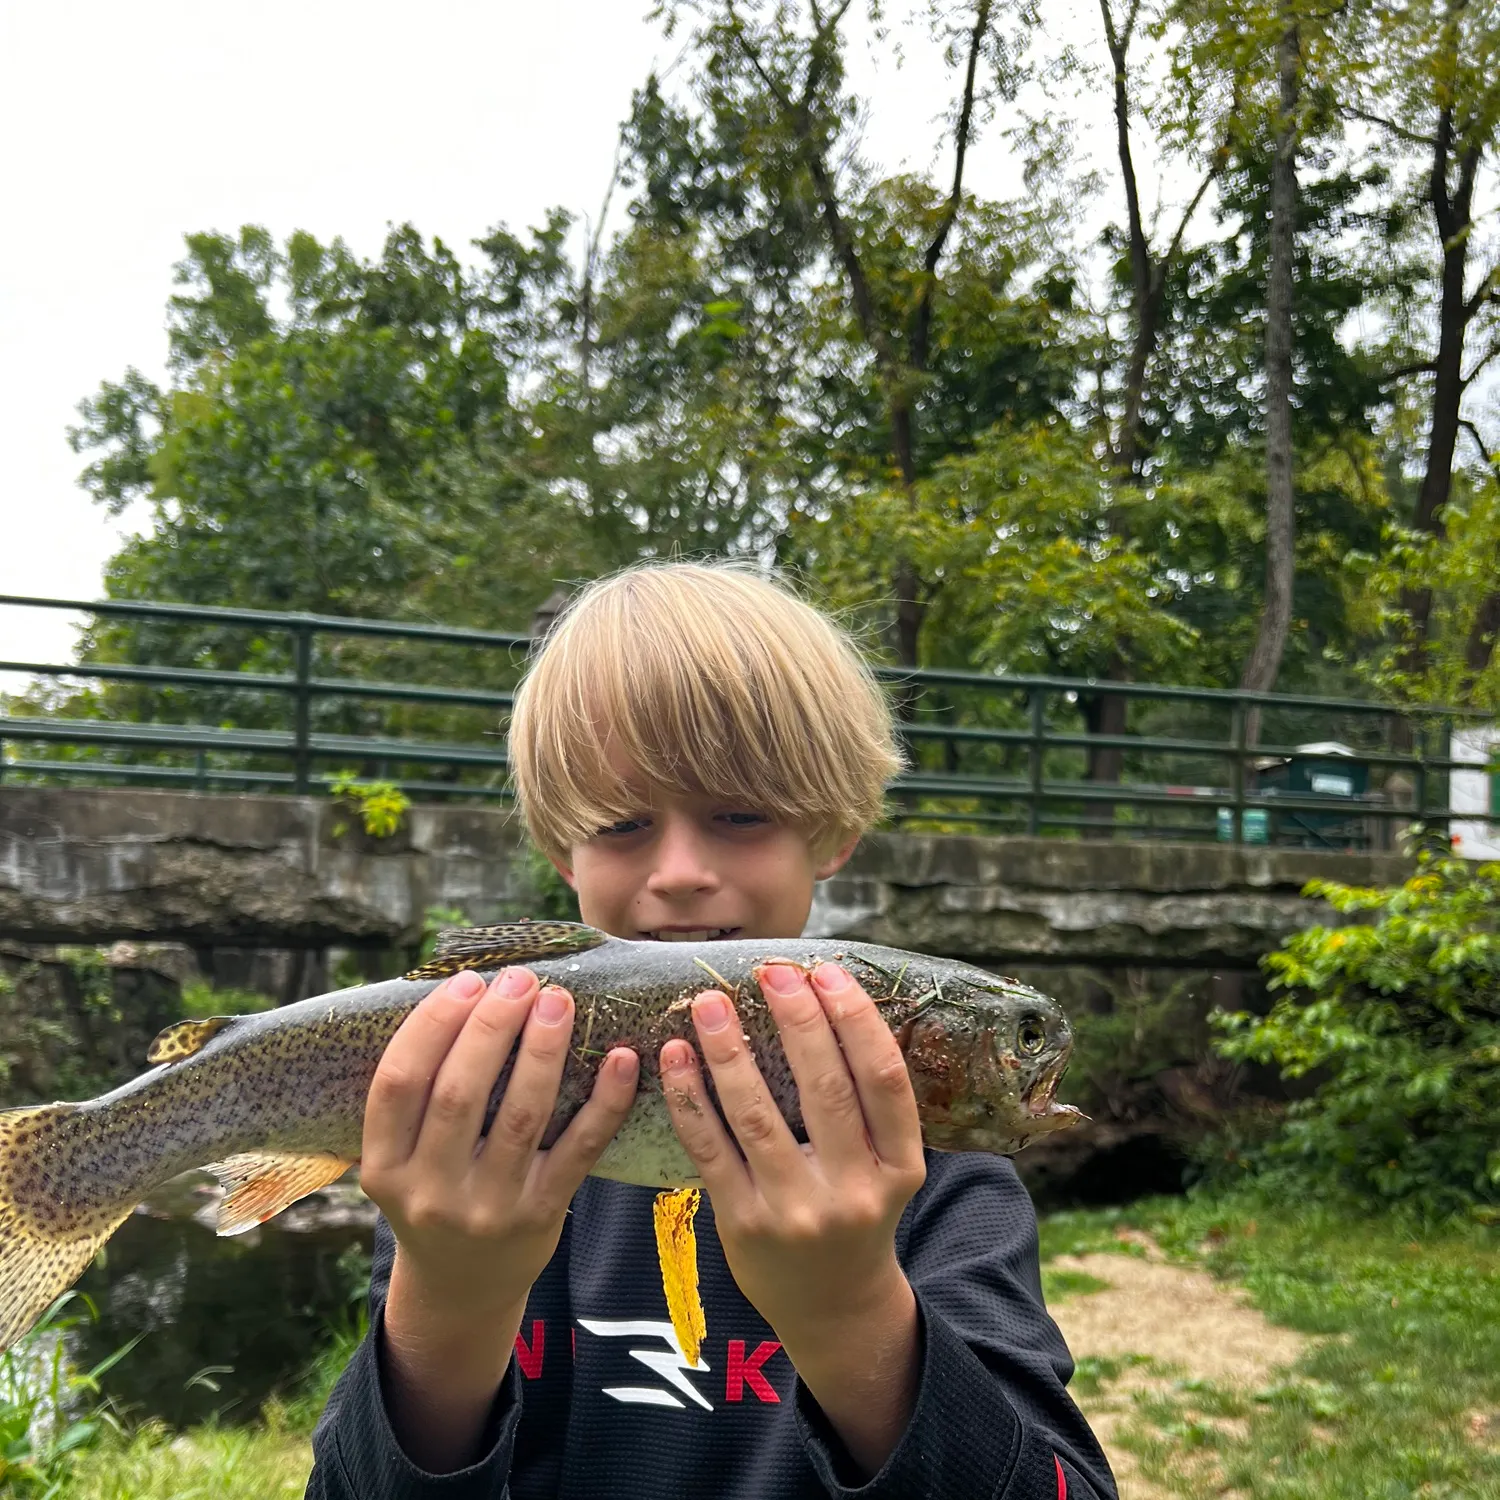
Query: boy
[693, 748]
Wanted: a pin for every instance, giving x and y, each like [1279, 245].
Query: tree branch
[1482, 292]
[1413, 137]
[1140, 253]
[1489, 354]
[1404, 372]
[1492, 460]
[1221, 158]
[922, 328]
[1442, 205]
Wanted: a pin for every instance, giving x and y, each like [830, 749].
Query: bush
[1397, 1020]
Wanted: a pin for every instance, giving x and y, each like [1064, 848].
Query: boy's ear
[837, 860]
[565, 872]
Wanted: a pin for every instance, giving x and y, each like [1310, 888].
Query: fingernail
[551, 1005]
[830, 977]
[711, 1013]
[782, 978]
[514, 982]
[465, 986]
[675, 1058]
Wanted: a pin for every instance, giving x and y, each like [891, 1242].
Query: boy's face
[688, 867]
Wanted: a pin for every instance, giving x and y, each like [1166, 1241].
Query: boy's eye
[746, 819]
[624, 826]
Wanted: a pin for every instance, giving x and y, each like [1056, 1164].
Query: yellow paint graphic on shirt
[677, 1250]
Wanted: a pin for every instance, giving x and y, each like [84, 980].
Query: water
[227, 1322]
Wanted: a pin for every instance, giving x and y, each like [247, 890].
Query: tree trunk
[1143, 279]
[1104, 713]
[1480, 646]
[1453, 217]
[1276, 613]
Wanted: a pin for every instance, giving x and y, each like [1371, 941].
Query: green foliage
[381, 805]
[435, 919]
[1456, 569]
[200, 998]
[1397, 1019]
[1148, 1028]
[49, 1411]
[548, 895]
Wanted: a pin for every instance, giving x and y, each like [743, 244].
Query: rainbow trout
[274, 1103]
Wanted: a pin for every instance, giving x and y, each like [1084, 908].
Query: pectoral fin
[506, 943]
[257, 1186]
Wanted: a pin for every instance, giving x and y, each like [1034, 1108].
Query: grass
[207, 1463]
[1399, 1394]
[212, 1461]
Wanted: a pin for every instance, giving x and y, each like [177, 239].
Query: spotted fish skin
[277, 1098]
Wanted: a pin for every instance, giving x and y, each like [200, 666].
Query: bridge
[255, 701]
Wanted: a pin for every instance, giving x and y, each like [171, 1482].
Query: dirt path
[1185, 1322]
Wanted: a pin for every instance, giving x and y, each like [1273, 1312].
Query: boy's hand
[476, 1218]
[808, 1231]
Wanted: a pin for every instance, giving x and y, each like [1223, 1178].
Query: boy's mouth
[689, 934]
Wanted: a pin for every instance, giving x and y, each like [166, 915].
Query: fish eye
[1031, 1035]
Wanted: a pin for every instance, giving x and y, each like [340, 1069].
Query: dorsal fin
[183, 1038]
[505, 943]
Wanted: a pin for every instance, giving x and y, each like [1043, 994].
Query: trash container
[1254, 829]
[1326, 771]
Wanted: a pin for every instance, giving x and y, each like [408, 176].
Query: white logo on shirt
[669, 1363]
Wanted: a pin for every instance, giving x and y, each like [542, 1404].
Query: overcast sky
[128, 126]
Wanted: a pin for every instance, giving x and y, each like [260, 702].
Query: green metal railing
[1001, 753]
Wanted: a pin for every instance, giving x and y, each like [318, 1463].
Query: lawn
[1395, 1394]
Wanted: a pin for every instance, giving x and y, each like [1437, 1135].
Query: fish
[273, 1103]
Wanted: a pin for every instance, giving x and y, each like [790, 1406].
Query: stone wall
[94, 864]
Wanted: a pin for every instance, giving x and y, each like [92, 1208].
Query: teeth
[700, 935]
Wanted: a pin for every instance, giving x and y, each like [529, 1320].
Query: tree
[1281, 512]
[1150, 270]
[1428, 81]
[786, 67]
[363, 453]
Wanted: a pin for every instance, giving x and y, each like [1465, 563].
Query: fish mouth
[689, 934]
[1041, 1098]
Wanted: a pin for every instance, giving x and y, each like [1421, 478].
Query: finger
[461, 1091]
[531, 1092]
[713, 1150]
[404, 1076]
[831, 1106]
[876, 1066]
[757, 1123]
[560, 1170]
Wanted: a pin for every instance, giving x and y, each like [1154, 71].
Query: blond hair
[703, 678]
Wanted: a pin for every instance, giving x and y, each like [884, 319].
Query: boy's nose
[681, 866]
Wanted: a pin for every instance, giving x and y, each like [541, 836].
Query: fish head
[985, 1056]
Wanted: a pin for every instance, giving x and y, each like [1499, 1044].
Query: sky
[129, 126]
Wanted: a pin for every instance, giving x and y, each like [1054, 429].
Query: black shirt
[598, 1403]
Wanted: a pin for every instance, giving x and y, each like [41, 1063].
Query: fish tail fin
[45, 1245]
